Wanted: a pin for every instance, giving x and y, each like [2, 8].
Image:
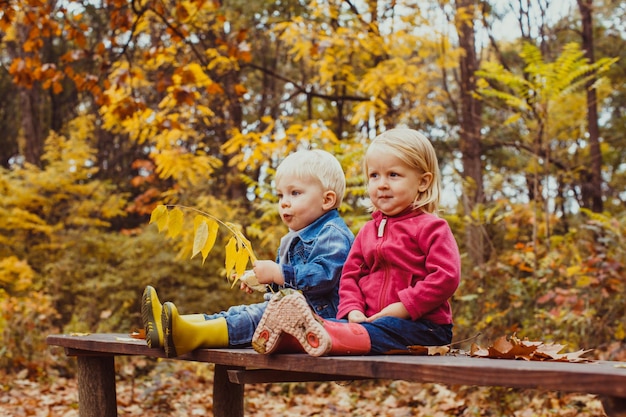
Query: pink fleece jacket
[412, 257]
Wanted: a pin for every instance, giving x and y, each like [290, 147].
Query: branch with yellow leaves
[205, 227]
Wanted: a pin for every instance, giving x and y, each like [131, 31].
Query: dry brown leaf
[419, 350]
[138, 334]
[514, 348]
[479, 351]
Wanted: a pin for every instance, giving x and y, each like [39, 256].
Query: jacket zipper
[383, 290]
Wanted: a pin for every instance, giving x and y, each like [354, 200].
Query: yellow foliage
[191, 74]
[16, 274]
[219, 63]
[64, 194]
[184, 167]
[253, 149]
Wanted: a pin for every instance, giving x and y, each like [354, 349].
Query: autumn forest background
[112, 107]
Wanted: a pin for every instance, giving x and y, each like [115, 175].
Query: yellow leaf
[175, 222]
[241, 262]
[573, 270]
[242, 241]
[512, 119]
[200, 235]
[210, 241]
[231, 255]
[584, 281]
[159, 216]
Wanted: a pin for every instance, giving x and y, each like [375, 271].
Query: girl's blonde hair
[415, 150]
[315, 163]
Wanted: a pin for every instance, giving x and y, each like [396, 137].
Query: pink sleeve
[443, 271]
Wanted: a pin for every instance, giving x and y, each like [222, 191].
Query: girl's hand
[356, 316]
[268, 272]
[392, 310]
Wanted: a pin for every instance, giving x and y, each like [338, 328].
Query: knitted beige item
[289, 312]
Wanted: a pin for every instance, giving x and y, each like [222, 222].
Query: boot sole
[168, 339]
[291, 314]
[150, 324]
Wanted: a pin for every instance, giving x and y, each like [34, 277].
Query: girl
[401, 272]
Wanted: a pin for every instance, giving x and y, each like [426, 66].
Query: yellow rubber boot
[151, 311]
[182, 335]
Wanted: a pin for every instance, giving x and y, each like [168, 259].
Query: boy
[310, 185]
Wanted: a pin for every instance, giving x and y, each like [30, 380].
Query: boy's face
[301, 201]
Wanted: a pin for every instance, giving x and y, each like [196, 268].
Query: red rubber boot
[347, 338]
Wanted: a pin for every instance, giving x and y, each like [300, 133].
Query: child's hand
[249, 283]
[243, 287]
[356, 316]
[268, 272]
[392, 310]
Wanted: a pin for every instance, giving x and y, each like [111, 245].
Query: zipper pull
[381, 227]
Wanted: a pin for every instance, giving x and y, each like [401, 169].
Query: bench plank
[262, 376]
[233, 369]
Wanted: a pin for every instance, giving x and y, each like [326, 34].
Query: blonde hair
[415, 150]
[315, 163]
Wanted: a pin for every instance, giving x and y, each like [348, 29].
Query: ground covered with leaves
[168, 388]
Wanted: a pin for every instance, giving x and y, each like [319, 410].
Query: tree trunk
[594, 200]
[30, 142]
[31, 145]
[470, 122]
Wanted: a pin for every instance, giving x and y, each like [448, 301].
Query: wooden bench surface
[603, 378]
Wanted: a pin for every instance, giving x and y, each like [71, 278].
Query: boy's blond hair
[415, 150]
[318, 164]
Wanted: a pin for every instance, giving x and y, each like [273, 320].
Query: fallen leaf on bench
[138, 334]
[79, 334]
[423, 350]
[514, 348]
[125, 339]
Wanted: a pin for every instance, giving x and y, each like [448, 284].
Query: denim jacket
[315, 259]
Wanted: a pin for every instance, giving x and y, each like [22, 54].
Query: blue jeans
[391, 333]
[242, 321]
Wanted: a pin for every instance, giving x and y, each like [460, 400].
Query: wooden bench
[234, 368]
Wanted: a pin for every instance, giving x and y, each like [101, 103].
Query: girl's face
[302, 201]
[392, 184]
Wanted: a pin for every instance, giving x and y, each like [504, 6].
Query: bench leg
[614, 406]
[227, 397]
[96, 386]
